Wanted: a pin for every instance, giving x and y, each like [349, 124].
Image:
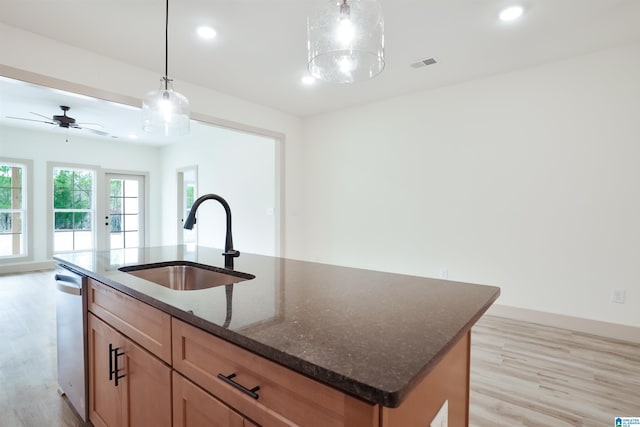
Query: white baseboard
[588, 326]
[27, 267]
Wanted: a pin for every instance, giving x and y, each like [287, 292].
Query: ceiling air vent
[423, 63]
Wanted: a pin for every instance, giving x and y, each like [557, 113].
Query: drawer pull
[229, 380]
[113, 365]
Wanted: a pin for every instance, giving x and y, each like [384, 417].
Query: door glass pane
[188, 182]
[130, 188]
[131, 223]
[115, 188]
[132, 238]
[125, 211]
[131, 205]
[115, 221]
[115, 205]
[116, 240]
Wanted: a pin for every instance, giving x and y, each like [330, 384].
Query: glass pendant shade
[165, 112]
[346, 40]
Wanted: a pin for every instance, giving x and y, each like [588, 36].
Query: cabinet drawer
[148, 326]
[285, 398]
[194, 407]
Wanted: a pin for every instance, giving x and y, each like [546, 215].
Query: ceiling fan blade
[41, 115]
[91, 124]
[29, 120]
[97, 132]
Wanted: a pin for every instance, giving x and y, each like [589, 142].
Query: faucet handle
[232, 253]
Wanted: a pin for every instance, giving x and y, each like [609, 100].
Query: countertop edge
[393, 400]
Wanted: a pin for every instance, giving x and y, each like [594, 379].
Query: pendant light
[346, 40]
[165, 111]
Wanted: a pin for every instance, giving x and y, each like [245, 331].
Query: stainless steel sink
[186, 275]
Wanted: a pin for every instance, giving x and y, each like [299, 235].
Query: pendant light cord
[166, 48]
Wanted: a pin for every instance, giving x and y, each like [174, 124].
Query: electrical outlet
[442, 417]
[444, 273]
[617, 296]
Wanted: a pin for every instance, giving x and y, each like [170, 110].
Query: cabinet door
[194, 407]
[143, 394]
[146, 388]
[105, 408]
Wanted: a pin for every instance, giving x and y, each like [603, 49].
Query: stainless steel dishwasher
[71, 325]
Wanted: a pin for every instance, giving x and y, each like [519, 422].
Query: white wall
[526, 180]
[43, 147]
[238, 166]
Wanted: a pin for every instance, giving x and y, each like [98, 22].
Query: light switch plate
[442, 417]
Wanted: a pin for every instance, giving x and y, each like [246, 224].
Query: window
[13, 209]
[73, 209]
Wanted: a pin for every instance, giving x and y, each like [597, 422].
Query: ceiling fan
[64, 121]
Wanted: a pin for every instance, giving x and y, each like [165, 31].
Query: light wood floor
[521, 374]
[531, 375]
[28, 378]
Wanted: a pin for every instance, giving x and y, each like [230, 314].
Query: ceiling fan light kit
[164, 111]
[346, 40]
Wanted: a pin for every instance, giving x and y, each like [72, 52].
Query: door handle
[229, 380]
[110, 362]
[67, 288]
[113, 364]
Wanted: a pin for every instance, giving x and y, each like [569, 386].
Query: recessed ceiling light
[308, 80]
[133, 136]
[511, 13]
[207, 33]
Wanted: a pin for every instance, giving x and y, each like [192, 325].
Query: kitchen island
[396, 346]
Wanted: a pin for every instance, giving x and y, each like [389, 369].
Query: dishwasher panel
[71, 325]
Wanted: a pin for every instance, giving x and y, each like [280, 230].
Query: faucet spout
[229, 253]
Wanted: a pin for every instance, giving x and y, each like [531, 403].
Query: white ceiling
[260, 52]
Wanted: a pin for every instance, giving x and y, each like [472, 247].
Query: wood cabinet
[128, 386]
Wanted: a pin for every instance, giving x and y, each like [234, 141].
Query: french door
[126, 213]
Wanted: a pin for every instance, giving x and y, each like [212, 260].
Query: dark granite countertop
[371, 334]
